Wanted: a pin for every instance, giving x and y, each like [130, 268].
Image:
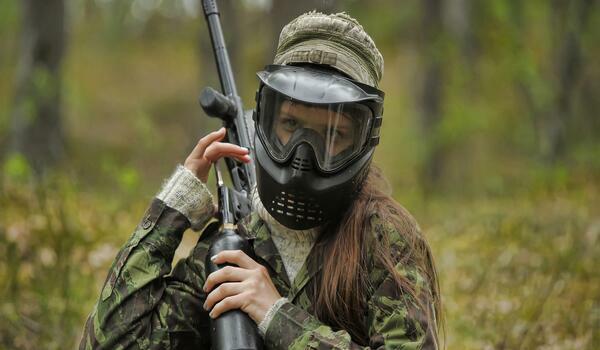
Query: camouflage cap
[337, 40]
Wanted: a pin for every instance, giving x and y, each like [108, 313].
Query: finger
[226, 274]
[236, 257]
[203, 165]
[218, 150]
[245, 159]
[208, 162]
[223, 291]
[214, 152]
[229, 303]
[204, 142]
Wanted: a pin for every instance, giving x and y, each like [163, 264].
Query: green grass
[519, 272]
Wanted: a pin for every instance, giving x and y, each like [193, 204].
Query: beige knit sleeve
[184, 192]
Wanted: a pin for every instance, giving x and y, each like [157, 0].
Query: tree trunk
[458, 21]
[552, 118]
[36, 125]
[567, 22]
[432, 93]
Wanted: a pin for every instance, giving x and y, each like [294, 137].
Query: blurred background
[491, 139]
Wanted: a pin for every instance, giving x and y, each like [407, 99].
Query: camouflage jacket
[146, 305]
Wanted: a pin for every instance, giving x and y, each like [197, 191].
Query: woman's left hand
[247, 286]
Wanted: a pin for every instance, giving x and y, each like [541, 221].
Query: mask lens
[336, 132]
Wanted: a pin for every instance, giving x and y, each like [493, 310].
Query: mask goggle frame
[319, 89]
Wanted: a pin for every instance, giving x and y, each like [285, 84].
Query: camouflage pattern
[336, 40]
[142, 306]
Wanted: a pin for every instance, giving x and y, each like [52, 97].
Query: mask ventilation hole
[297, 207]
[301, 164]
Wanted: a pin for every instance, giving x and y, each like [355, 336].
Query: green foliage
[129, 178]
[9, 18]
[16, 168]
[56, 247]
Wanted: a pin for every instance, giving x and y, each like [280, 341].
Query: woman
[339, 264]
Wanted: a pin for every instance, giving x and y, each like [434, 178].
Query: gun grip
[215, 104]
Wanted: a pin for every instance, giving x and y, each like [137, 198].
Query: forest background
[491, 139]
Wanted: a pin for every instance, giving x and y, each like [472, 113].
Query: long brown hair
[340, 295]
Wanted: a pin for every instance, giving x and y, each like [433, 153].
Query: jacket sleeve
[140, 307]
[395, 319]
[395, 323]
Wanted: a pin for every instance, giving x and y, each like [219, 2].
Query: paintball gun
[233, 329]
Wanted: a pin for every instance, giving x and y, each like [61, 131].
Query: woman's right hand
[209, 150]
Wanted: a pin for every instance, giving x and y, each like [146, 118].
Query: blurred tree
[458, 21]
[431, 97]
[568, 21]
[444, 25]
[553, 113]
[36, 125]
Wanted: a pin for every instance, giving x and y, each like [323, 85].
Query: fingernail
[246, 149]
[212, 315]
[212, 258]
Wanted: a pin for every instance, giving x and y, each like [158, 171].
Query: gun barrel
[221, 55]
[240, 133]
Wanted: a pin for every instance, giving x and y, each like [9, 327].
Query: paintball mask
[315, 136]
